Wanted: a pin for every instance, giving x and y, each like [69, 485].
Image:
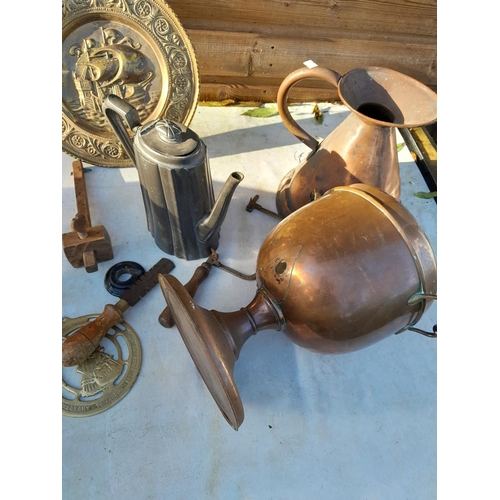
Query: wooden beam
[416, 17]
[247, 54]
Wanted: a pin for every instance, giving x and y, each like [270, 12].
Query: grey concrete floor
[354, 426]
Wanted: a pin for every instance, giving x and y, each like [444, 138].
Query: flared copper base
[205, 341]
[214, 339]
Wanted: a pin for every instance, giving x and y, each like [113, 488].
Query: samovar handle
[413, 300]
[282, 100]
[432, 334]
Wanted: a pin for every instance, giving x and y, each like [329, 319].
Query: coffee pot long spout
[212, 223]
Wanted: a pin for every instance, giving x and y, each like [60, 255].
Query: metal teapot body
[182, 213]
[362, 149]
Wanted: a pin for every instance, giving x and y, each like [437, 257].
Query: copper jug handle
[282, 100]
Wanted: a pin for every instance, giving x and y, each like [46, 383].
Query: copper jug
[362, 149]
[337, 275]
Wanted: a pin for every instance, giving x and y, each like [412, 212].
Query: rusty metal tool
[200, 275]
[253, 205]
[79, 346]
[85, 245]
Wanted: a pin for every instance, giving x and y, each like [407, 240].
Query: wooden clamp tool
[85, 245]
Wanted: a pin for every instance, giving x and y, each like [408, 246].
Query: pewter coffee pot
[362, 149]
[337, 275]
[172, 161]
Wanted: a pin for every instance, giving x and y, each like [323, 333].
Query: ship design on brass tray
[135, 49]
[113, 66]
[106, 376]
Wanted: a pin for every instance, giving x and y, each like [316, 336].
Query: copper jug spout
[362, 149]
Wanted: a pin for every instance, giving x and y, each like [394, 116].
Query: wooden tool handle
[200, 275]
[82, 201]
[79, 346]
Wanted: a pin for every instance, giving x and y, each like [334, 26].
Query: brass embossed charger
[136, 49]
[107, 376]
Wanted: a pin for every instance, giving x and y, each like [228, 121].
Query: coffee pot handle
[282, 100]
[113, 108]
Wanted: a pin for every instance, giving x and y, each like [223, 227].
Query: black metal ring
[116, 286]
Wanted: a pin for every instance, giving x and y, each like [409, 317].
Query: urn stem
[263, 313]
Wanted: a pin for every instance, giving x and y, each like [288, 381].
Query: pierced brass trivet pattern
[136, 49]
[106, 376]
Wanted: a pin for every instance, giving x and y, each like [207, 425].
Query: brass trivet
[136, 49]
[106, 376]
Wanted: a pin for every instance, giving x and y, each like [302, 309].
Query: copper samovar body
[362, 149]
[337, 275]
[343, 270]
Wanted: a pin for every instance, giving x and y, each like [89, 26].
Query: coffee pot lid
[166, 137]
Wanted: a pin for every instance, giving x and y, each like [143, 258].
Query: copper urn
[339, 274]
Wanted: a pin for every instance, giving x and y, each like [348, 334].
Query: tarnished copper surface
[337, 275]
[362, 149]
[343, 269]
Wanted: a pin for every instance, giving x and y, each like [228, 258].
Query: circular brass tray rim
[102, 13]
[129, 378]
